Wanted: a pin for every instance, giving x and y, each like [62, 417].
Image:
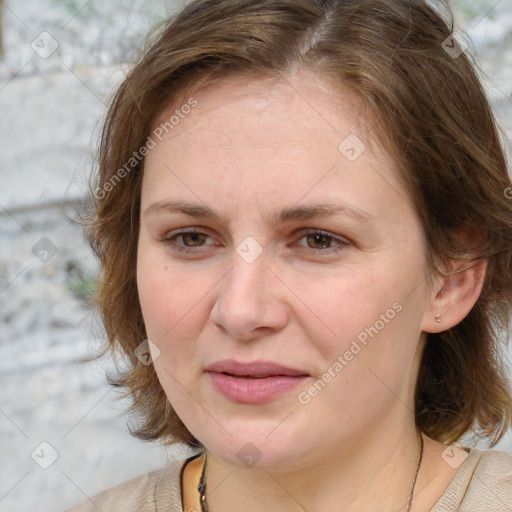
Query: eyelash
[169, 241]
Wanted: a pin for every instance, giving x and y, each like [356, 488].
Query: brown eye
[192, 239]
[189, 241]
[319, 240]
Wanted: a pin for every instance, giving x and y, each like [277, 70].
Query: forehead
[257, 99]
[286, 133]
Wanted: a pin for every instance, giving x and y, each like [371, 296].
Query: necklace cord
[202, 488]
[411, 495]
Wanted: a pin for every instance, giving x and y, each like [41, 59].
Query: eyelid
[314, 231]
[342, 242]
[167, 239]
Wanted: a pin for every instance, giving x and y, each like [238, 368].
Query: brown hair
[434, 115]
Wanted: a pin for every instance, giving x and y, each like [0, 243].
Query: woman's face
[307, 254]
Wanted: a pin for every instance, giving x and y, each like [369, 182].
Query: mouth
[254, 370]
[248, 376]
[252, 383]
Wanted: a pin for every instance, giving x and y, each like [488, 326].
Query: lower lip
[252, 391]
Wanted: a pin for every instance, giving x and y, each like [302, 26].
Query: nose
[251, 301]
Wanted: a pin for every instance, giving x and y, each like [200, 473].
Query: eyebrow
[294, 213]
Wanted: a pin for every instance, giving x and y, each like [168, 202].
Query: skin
[250, 149]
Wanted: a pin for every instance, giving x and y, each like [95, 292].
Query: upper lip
[253, 369]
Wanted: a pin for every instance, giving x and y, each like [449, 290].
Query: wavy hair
[398, 57]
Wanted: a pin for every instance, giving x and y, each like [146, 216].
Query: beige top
[483, 483]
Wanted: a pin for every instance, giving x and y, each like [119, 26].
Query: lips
[255, 370]
[253, 383]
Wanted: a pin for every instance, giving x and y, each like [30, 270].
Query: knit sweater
[483, 483]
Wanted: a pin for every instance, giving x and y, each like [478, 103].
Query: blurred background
[62, 433]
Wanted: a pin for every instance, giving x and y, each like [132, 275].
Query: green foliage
[83, 289]
[473, 9]
[74, 6]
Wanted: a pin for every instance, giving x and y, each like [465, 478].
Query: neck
[374, 475]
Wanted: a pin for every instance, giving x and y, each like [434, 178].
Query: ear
[453, 296]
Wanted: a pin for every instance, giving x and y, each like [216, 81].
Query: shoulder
[483, 482]
[491, 484]
[152, 492]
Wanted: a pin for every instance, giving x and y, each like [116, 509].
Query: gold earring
[438, 318]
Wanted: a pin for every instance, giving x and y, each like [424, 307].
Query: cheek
[176, 303]
[361, 326]
[335, 309]
[172, 301]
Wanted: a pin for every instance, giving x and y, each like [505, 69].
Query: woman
[304, 235]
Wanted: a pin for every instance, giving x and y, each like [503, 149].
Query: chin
[254, 448]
